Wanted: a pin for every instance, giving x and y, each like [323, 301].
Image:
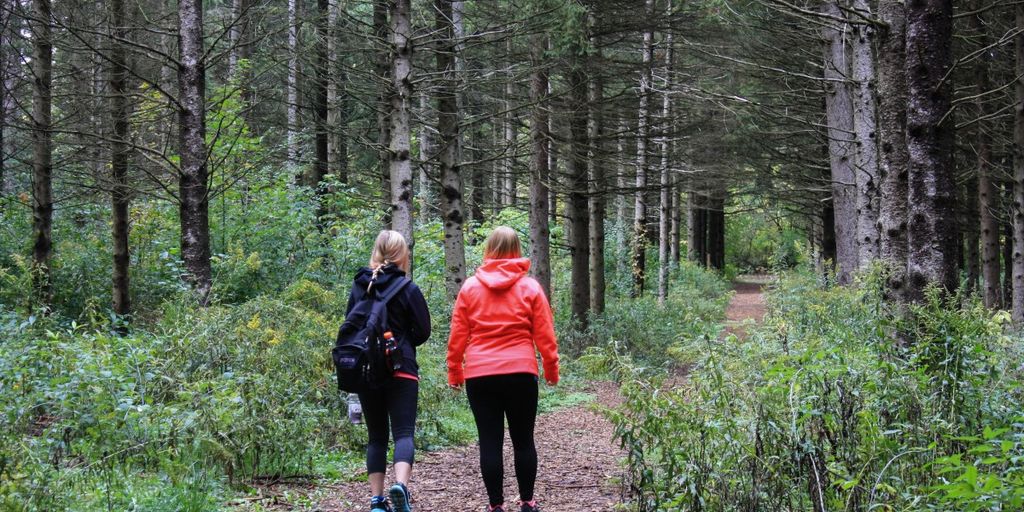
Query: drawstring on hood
[502, 274]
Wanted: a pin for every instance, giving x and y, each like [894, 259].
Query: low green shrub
[838, 401]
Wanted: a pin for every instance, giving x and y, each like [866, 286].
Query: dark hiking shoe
[496, 508]
[379, 504]
[400, 497]
[528, 506]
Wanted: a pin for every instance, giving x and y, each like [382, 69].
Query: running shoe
[379, 504]
[400, 497]
[528, 506]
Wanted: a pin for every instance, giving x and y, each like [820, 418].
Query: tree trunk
[986, 191]
[42, 149]
[677, 224]
[839, 114]
[7, 70]
[540, 235]
[321, 78]
[293, 87]
[931, 233]
[448, 143]
[337, 115]
[865, 129]
[642, 133]
[665, 203]
[234, 36]
[1018, 177]
[892, 126]
[698, 228]
[428, 154]
[121, 297]
[716, 230]
[596, 132]
[577, 207]
[507, 178]
[401, 96]
[192, 180]
[382, 72]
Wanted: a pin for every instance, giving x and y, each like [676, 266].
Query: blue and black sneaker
[379, 504]
[400, 497]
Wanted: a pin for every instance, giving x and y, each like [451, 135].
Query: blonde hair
[390, 247]
[502, 243]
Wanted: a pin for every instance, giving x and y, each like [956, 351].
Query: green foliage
[824, 403]
[756, 241]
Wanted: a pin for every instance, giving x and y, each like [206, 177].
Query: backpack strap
[394, 289]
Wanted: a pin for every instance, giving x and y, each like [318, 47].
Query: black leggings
[395, 401]
[492, 399]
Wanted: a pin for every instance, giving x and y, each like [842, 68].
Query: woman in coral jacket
[500, 316]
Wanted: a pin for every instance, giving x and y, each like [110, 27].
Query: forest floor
[580, 461]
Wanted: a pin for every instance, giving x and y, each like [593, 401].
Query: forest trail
[579, 469]
[747, 305]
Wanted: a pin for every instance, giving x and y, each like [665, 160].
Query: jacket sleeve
[420, 328]
[457, 340]
[544, 335]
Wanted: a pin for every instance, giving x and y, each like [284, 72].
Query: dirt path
[747, 306]
[580, 467]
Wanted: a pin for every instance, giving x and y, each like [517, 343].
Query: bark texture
[596, 160]
[865, 129]
[839, 115]
[892, 126]
[665, 203]
[639, 241]
[540, 232]
[931, 233]
[1018, 176]
[120, 296]
[577, 207]
[42, 148]
[293, 85]
[401, 131]
[986, 191]
[449, 151]
[192, 178]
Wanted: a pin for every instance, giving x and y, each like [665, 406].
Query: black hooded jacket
[408, 317]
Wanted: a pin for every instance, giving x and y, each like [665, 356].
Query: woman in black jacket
[395, 401]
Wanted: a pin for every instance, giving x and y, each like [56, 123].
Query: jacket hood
[388, 274]
[502, 274]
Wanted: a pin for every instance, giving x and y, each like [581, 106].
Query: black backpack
[358, 353]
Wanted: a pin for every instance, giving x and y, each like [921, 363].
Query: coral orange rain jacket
[500, 315]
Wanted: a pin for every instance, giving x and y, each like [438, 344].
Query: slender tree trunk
[716, 230]
[293, 86]
[699, 227]
[448, 143]
[865, 129]
[337, 118]
[643, 133]
[42, 149]
[540, 236]
[1007, 248]
[426, 165]
[596, 160]
[121, 297]
[577, 208]
[986, 191]
[382, 73]
[931, 233]
[7, 70]
[234, 36]
[507, 179]
[892, 126]
[321, 79]
[839, 114]
[665, 203]
[401, 96]
[192, 180]
[1018, 177]
[677, 224]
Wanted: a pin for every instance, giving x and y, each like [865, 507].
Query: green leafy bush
[823, 407]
